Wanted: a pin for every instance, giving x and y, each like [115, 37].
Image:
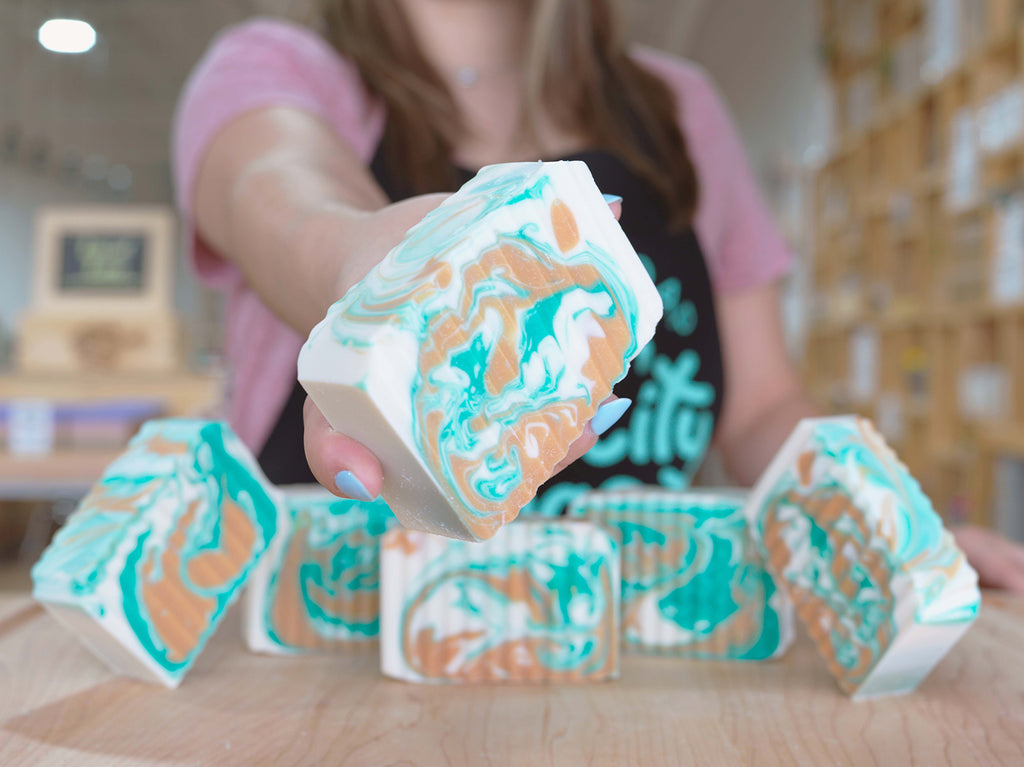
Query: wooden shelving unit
[917, 320]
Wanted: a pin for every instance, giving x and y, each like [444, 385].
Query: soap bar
[477, 351]
[538, 602]
[317, 587]
[693, 582]
[877, 581]
[146, 566]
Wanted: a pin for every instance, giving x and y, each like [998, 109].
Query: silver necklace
[467, 76]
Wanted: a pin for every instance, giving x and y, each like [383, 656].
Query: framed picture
[108, 260]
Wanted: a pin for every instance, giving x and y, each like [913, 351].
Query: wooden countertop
[58, 705]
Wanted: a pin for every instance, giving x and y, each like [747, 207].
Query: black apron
[676, 383]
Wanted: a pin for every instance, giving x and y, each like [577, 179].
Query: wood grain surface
[58, 705]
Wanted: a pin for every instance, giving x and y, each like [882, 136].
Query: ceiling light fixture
[67, 36]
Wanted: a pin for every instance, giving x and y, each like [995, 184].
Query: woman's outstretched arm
[286, 201]
[764, 398]
[283, 198]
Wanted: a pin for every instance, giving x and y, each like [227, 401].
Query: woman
[301, 160]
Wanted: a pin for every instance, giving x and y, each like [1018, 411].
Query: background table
[69, 473]
[60, 706]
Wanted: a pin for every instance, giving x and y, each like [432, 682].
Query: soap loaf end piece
[877, 581]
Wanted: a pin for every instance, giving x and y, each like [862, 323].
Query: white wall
[112, 104]
[763, 56]
[20, 194]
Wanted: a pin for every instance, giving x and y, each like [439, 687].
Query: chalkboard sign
[95, 261]
[102, 291]
[102, 263]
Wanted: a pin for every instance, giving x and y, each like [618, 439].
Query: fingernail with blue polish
[608, 414]
[349, 484]
[610, 198]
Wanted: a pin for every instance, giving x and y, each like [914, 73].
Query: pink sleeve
[262, 63]
[742, 245]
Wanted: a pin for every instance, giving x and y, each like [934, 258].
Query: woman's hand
[999, 562]
[340, 463]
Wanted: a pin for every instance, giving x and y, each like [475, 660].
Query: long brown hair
[578, 72]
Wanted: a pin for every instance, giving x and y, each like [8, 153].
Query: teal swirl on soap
[537, 602]
[222, 519]
[164, 541]
[693, 585]
[323, 587]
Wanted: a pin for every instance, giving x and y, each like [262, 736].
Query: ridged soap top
[537, 602]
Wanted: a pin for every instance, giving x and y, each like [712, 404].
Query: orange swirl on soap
[312, 604]
[476, 654]
[176, 593]
[850, 632]
[498, 359]
[539, 601]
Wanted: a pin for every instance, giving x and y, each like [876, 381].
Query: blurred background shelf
[93, 414]
[181, 393]
[917, 265]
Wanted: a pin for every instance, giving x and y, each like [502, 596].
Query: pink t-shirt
[265, 62]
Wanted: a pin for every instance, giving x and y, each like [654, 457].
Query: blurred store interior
[888, 137]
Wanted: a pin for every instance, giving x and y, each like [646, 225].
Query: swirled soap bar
[879, 583]
[317, 586]
[538, 602]
[145, 568]
[477, 351]
[693, 583]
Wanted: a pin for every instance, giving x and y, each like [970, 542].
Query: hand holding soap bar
[475, 353]
[879, 583]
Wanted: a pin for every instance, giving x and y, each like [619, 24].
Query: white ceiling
[114, 104]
